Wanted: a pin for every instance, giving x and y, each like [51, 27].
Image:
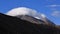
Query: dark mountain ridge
[35, 20]
[14, 25]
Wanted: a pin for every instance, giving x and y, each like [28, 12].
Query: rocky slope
[25, 25]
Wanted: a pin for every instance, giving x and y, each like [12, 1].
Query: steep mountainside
[13, 25]
[35, 20]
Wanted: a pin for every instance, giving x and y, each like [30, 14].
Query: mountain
[25, 25]
[35, 20]
[30, 19]
[48, 22]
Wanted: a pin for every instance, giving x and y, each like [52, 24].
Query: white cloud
[25, 11]
[21, 11]
[56, 13]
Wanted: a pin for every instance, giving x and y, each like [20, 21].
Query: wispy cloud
[50, 0]
[53, 5]
[56, 13]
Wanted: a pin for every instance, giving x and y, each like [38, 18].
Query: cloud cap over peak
[25, 11]
[21, 11]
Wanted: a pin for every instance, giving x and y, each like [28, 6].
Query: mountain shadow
[28, 25]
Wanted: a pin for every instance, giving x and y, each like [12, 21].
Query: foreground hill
[13, 25]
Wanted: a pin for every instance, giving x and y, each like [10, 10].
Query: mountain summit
[29, 15]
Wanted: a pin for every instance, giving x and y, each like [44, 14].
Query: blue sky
[51, 8]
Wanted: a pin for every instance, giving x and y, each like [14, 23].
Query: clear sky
[51, 8]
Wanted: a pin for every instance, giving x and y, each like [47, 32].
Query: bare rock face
[25, 25]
